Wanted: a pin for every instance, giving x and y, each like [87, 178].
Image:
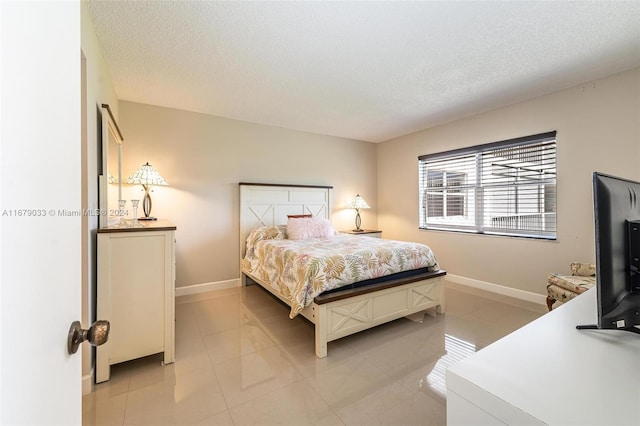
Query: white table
[550, 373]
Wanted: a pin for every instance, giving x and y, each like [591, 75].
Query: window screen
[503, 188]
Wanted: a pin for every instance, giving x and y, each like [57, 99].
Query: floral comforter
[299, 270]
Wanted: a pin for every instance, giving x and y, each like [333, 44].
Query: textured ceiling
[363, 70]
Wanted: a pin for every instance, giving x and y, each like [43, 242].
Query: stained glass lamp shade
[358, 203]
[146, 176]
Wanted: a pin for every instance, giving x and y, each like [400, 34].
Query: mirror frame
[110, 130]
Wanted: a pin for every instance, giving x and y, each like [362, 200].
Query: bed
[345, 306]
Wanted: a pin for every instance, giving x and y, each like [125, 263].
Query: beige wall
[98, 90]
[598, 130]
[204, 157]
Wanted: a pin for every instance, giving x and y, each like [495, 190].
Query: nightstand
[365, 233]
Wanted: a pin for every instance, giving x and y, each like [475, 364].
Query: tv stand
[595, 327]
[529, 376]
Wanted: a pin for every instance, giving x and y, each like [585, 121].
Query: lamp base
[357, 230]
[148, 218]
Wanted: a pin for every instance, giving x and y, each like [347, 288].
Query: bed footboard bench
[340, 314]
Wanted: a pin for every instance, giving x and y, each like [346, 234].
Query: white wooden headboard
[269, 204]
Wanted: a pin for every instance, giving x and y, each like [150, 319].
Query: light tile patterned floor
[241, 361]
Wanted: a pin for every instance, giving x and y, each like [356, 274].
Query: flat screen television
[617, 232]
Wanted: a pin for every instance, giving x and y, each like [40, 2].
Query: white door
[40, 234]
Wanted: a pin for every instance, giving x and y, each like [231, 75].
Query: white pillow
[309, 227]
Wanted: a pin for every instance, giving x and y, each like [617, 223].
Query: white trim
[470, 282]
[205, 287]
[87, 382]
[499, 289]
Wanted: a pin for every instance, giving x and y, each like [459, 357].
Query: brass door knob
[96, 335]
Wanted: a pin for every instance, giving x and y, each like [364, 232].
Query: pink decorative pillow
[309, 227]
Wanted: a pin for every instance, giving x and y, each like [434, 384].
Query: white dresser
[136, 293]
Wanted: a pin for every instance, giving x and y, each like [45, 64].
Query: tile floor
[241, 361]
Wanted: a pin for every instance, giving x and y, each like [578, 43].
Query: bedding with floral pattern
[299, 270]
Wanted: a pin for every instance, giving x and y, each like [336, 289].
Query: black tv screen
[617, 237]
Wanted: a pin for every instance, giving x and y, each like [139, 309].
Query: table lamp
[358, 203]
[146, 176]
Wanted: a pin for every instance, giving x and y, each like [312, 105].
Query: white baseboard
[203, 288]
[499, 289]
[470, 282]
[87, 383]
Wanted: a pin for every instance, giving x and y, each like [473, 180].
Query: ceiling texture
[363, 70]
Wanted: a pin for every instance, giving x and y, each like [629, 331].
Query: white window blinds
[505, 188]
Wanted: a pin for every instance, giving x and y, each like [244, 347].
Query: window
[443, 197]
[502, 188]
